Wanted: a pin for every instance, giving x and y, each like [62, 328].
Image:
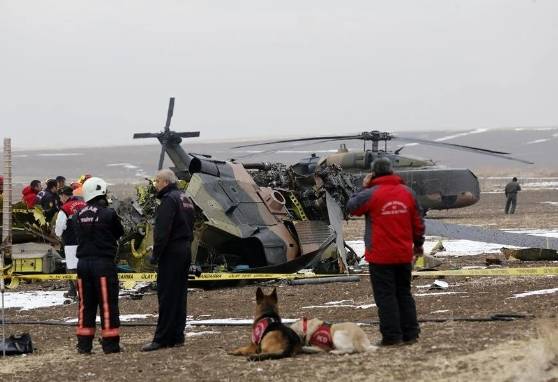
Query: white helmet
[94, 187]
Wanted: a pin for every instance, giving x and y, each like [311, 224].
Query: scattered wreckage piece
[530, 254]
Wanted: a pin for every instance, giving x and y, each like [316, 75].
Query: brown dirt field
[453, 350]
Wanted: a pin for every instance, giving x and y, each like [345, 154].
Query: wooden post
[6, 242]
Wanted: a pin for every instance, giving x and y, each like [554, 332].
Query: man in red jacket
[29, 193]
[394, 233]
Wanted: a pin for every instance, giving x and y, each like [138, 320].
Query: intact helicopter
[436, 187]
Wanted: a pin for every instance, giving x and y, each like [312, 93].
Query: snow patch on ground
[446, 138]
[441, 311]
[202, 333]
[340, 304]
[537, 141]
[453, 247]
[461, 247]
[123, 318]
[535, 292]
[551, 203]
[540, 185]
[59, 154]
[537, 232]
[33, 300]
[437, 293]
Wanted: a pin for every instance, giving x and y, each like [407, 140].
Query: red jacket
[393, 220]
[29, 196]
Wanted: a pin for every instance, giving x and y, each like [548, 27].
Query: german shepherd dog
[270, 338]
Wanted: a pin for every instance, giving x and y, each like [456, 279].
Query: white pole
[6, 246]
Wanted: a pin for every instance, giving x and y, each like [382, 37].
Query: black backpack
[17, 344]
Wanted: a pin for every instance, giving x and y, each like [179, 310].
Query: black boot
[152, 346]
[72, 293]
[111, 345]
[85, 344]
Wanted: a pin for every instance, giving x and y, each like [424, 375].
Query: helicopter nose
[466, 199]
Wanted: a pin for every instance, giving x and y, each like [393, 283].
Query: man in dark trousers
[50, 202]
[174, 222]
[97, 229]
[394, 232]
[511, 190]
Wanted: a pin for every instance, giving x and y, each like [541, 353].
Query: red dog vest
[321, 337]
[260, 328]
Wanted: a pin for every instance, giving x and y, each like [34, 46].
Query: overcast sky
[88, 73]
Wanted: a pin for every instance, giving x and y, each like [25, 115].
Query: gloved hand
[195, 270]
[153, 260]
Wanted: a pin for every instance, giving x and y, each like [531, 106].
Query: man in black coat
[97, 229]
[174, 222]
[50, 202]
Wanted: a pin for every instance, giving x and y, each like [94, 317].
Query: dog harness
[321, 337]
[262, 326]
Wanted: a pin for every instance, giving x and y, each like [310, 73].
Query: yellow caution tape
[138, 277]
[22, 210]
[150, 277]
[536, 271]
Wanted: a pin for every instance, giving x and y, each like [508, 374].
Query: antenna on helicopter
[167, 136]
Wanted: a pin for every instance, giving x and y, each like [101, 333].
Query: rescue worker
[511, 190]
[64, 229]
[98, 228]
[394, 232]
[30, 192]
[50, 202]
[172, 236]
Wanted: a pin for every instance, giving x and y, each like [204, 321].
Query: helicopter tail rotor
[167, 135]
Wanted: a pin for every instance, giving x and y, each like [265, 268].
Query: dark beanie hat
[382, 166]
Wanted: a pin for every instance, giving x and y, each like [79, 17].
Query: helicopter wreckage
[272, 218]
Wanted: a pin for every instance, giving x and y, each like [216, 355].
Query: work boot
[152, 346]
[84, 345]
[383, 343]
[111, 345]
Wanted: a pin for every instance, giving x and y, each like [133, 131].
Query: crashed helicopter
[240, 226]
[436, 187]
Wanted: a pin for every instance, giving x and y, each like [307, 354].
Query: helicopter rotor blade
[447, 145]
[145, 135]
[162, 156]
[327, 137]
[453, 146]
[169, 113]
[373, 136]
[189, 134]
[274, 150]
